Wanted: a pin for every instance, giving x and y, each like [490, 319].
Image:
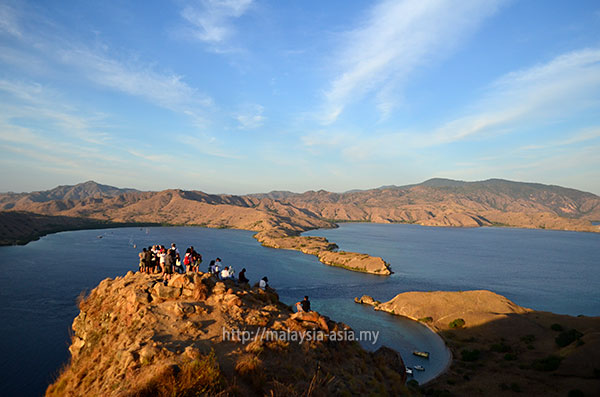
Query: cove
[548, 270]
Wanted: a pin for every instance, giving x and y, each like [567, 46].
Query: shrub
[567, 337]
[470, 355]
[458, 323]
[426, 319]
[510, 356]
[556, 327]
[528, 338]
[575, 393]
[550, 363]
[500, 347]
[515, 387]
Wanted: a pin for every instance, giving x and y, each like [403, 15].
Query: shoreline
[498, 345]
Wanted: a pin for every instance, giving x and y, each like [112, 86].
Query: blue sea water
[545, 270]
[41, 281]
[548, 270]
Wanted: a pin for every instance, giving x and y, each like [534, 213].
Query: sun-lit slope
[442, 202]
[136, 337]
[499, 346]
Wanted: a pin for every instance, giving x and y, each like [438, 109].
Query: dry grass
[194, 378]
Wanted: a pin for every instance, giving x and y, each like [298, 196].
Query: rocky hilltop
[135, 336]
[500, 347]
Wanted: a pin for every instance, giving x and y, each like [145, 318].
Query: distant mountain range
[435, 202]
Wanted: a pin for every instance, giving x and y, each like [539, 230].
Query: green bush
[575, 393]
[567, 337]
[500, 347]
[510, 356]
[458, 323]
[556, 327]
[550, 363]
[528, 338]
[470, 355]
[426, 319]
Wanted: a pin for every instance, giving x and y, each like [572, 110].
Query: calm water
[41, 281]
[542, 269]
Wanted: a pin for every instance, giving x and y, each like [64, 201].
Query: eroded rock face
[136, 336]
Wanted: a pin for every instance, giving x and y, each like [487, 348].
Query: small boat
[419, 368]
[421, 354]
[409, 371]
[100, 236]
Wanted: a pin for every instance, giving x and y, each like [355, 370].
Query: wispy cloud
[568, 84]
[8, 21]
[33, 102]
[163, 89]
[212, 21]
[49, 46]
[398, 37]
[250, 116]
[531, 99]
[205, 144]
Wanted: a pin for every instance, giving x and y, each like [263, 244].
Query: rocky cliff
[135, 336]
[500, 347]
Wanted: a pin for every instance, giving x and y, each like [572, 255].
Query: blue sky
[242, 96]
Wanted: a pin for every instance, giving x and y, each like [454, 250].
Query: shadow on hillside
[19, 228]
[537, 353]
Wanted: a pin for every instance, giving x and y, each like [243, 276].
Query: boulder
[165, 292]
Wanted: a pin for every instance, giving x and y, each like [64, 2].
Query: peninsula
[499, 346]
[135, 336]
[279, 218]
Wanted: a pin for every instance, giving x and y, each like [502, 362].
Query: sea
[544, 270]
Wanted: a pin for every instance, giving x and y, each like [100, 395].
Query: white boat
[419, 368]
[409, 371]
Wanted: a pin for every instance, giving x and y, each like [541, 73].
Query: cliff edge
[136, 336]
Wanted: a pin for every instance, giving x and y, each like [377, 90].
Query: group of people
[167, 261]
[159, 259]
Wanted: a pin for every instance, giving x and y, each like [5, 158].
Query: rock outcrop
[135, 336]
[499, 346]
[324, 250]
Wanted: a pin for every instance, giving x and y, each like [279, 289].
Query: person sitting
[242, 277]
[264, 283]
[303, 306]
[225, 273]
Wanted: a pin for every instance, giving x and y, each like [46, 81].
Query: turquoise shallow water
[41, 281]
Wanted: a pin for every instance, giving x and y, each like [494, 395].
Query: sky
[246, 96]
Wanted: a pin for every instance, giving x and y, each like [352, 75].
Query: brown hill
[136, 337]
[499, 347]
[443, 202]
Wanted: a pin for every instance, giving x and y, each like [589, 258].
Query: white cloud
[212, 20]
[8, 21]
[397, 38]
[162, 89]
[250, 116]
[568, 84]
[533, 98]
[34, 102]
